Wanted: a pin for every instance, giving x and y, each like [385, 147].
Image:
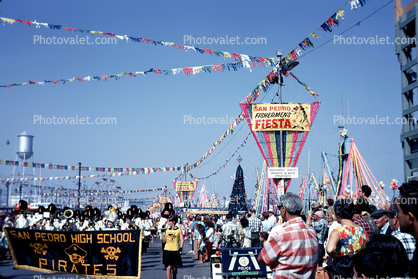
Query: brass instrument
[68, 213]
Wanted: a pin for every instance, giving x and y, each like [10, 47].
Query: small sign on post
[280, 188]
[282, 172]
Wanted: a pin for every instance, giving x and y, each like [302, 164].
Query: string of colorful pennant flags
[245, 63]
[242, 61]
[224, 54]
[3, 180]
[264, 85]
[75, 168]
[91, 192]
[226, 163]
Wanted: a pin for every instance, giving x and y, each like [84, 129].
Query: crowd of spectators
[348, 238]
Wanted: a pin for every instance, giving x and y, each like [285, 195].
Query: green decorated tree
[238, 197]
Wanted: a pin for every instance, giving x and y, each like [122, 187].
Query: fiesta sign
[185, 186]
[285, 117]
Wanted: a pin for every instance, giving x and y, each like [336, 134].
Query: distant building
[406, 26]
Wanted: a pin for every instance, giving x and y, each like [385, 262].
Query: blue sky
[361, 80]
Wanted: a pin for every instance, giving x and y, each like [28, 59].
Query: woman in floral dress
[349, 238]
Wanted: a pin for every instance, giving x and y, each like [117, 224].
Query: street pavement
[151, 267]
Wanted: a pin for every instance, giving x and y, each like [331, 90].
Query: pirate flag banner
[96, 253]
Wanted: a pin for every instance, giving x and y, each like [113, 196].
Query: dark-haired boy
[407, 204]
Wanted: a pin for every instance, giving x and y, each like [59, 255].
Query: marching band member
[162, 225]
[98, 222]
[46, 223]
[21, 221]
[111, 220]
[35, 222]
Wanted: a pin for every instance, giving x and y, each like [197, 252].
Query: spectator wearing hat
[320, 225]
[255, 225]
[272, 218]
[292, 249]
[407, 240]
[380, 218]
[316, 206]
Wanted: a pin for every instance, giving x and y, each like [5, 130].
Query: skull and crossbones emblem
[111, 252]
[39, 248]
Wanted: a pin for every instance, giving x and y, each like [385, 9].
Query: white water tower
[25, 146]
[23, 153]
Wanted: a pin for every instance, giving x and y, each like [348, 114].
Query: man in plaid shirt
[320, 225]
[256, 227]
[407, 240]
[292, 249]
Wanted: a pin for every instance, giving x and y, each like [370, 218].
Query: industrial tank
[25, 146]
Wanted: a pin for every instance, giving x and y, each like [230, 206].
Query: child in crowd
[263, 237]
[201, 243]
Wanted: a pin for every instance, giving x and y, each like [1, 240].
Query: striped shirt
[407, 240]
[292, 250]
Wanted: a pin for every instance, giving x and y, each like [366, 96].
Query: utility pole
[79, 184]
[8, 193]
[279, 54]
